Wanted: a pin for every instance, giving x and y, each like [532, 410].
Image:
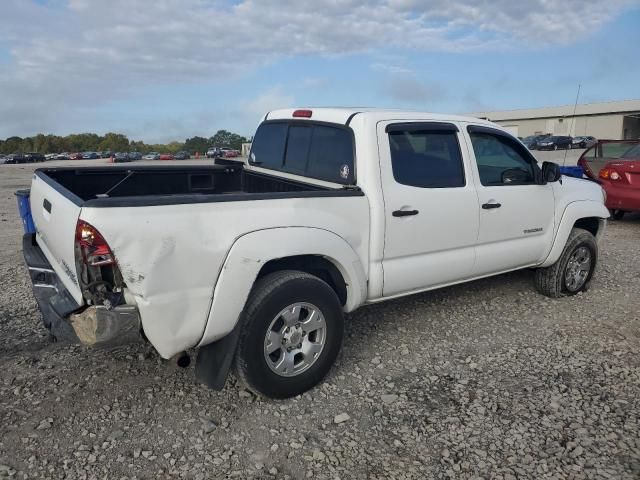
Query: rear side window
[426, 158]
[304, 148]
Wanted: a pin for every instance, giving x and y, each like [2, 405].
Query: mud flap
[214, 360]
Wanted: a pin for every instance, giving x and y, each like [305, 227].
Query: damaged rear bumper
[65, 318]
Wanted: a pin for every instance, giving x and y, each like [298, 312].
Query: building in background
[607, 120]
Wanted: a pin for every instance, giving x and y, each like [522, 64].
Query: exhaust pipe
[183, 360]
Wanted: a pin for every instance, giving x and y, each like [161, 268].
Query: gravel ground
[483, 380]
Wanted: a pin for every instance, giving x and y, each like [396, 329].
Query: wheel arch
[313, 250]
[316, 265]
[586, 214]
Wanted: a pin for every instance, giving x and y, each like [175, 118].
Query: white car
[256, 262]
[151, 156]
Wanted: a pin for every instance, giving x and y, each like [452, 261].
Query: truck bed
[166, 185]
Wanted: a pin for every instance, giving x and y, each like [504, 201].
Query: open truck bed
[160, 185]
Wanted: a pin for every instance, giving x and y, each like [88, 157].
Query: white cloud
[86, 52]
[407, 89]
[389, 68]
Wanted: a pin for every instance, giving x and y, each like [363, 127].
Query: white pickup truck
[256, 262]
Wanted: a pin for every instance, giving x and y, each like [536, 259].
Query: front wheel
[572, 272]
[617, 214]
[292, 334]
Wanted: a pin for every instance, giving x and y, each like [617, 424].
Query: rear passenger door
[431, 207]
[516, 213]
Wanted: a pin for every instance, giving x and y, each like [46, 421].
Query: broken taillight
[93, 247]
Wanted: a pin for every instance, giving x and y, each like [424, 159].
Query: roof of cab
[342, 115]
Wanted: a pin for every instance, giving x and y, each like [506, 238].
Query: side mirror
[550, 172]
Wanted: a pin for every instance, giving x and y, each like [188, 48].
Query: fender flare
[250, 252]
[572, 213]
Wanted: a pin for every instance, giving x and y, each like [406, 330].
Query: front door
[431, 207]
[516, 213]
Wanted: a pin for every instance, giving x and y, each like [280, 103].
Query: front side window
[426, 158]
[500, 160]
[304, 148]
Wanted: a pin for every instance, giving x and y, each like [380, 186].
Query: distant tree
[224, 138]
[12, 145]
[196, 144]
[115, 142]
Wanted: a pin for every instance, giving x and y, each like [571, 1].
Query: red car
[166, 156]
[229, 152]
[76, 156]
[615, 164]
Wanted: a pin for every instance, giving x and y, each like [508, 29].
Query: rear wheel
[292, 334]
[573, 270]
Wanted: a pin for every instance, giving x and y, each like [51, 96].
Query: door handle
[489, 206]
[404, 213]
[46, 204]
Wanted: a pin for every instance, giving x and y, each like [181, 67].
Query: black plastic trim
[421, 127]
[157, 200]
[348, 122]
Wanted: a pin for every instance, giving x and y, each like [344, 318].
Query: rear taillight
[92, 246]
[609, 174]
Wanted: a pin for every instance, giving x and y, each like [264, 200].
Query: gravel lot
[483, 380]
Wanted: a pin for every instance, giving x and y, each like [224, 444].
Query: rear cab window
[312, 149]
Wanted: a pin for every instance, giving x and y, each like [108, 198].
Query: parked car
[62, 156]
[3, 159]
[76, 156]
[583, 142]
[182, 156]
[289, 246]
[554, 143]
[33, 157]
[532, 141]
[89, 155]
[214, 152]
[121, 157]
[166, 156]
[14, 158]
[135, 156]
[50, 156]
[152, 156]
[615, 164]
[229, 152]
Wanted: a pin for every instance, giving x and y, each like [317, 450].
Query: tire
[269, 309]
[552, 281]
[617, 214]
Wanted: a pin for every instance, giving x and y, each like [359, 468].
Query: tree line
[115, 142]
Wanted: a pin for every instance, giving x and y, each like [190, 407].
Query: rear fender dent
[251, 251]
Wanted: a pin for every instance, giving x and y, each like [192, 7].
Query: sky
[163, 70]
